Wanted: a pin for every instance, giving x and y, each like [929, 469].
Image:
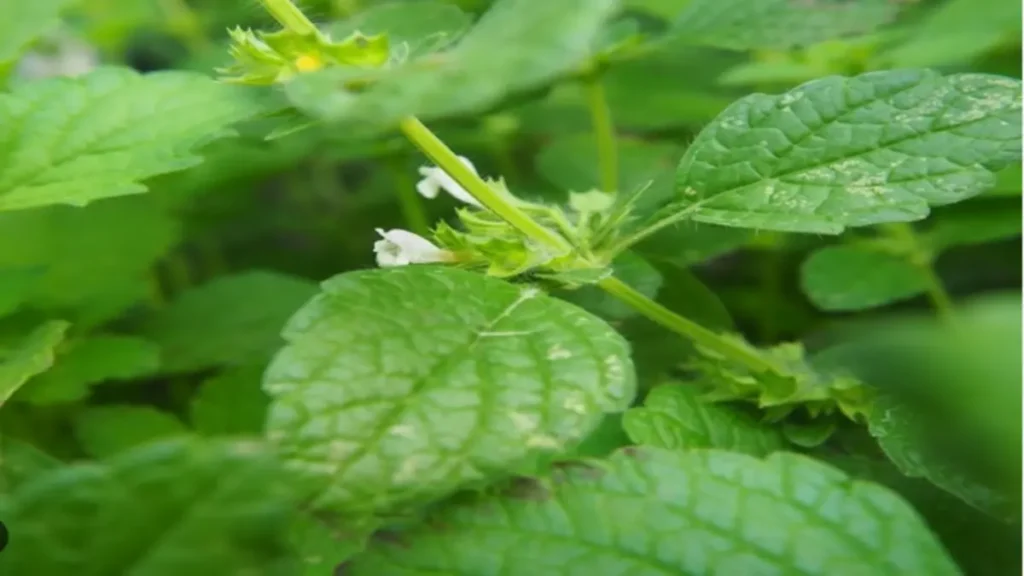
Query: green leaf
[108, 430]
[90, 361]
[16, 284]
[95, 261]
[857, 277]
[20, 463]
[632, 270]
[23, 22]
[73, 141]
[424, 26]
[518, 45]
[31, 356]
[400, 386]
[232, 320]
[231, 403]
[322, 544]
[570, 163]
[911, 443]
[178, 507]
[977, 222]
[777, 24]
[957, 32]
[689, 243]
[674, 416]
[839, 152]
[653, 511]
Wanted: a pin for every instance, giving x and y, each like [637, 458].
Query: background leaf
[109, 430]
[24, 22]
[28, 357]
[231, 403]
[844, 278]
[400, 386]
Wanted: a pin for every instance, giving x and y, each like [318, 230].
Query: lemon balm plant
[531, 379]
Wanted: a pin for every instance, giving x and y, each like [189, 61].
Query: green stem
[288, 15]
[441, 155]
[411, 202]
[921, 258]
[604, 133]
[683, 326]
[642, 234]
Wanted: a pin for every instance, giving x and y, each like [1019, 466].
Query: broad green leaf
[957, 32]
[665, 9]
[32, 355]
[674, 416]
[976, 222]
[423, 26]
[231, 403]
[322, 543]
[73, 141]
[20, 463]
[857, 277]
[108, 430]
[1008, 182]
[16, 284]
[517, 45]
[232, 320]
[778, 24]
[92, 360]
[23, 22]
[911, 443]
[177, 507]
[839, 152]
[658, 512]
[95, 260]
[570, 163]
[399, 386]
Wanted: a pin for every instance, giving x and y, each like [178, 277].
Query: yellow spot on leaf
[308, 63]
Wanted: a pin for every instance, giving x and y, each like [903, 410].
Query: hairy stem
[604, 134]
[288, 15]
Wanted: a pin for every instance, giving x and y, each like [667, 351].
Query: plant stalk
[604, 133]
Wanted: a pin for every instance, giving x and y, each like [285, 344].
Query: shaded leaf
[232, 402]
[108, 430]
[856, 277]
[32, 355]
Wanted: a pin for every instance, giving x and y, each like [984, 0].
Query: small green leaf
[90, 361]
[108, 430]
[178, 507]
[658, 512]
[31, 356]
[674, 416]
[231, 403]
[516, 46]
[855, 277]
[23, 22]
[778, 24]
[73, 141]
[231, 320]
[839, 152]
[400, 386]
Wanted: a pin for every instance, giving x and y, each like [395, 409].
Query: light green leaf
[108, 430]
[90, 361]
[424, 26]
[657, 512]
[95, 260]
[400, 386]
[839, 152]
[23, 22]
[777, 24]
[957, 32]
[73, 141]
[976, 222]
[910, 442]
[178, 507]
[856, 277]
[1008, 182]
[232, 320]
[31, 356]
[674, 416]
[231, 403]
[518, 45]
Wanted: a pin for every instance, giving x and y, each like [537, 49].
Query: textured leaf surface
[401, 385]
[675, 417]
[29, 357]
[838, 152]
[859, 277]
[73, 141]
[231, 403]
[778, 24]
[229, 321]
[91, 361]
[108, 430]
[23, 22]
[516, 45]
[652, 511]
[179, 507]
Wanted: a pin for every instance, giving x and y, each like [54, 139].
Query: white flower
[436, 179]
[64, 56]
[401, 247]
